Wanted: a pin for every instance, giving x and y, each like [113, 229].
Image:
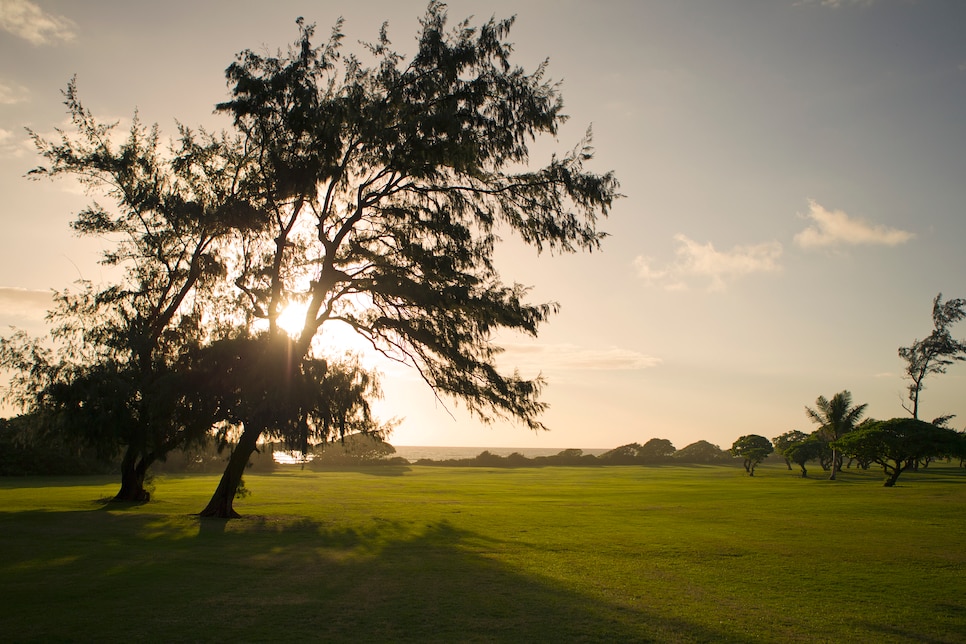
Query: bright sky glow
[793, 171]
[292, 318]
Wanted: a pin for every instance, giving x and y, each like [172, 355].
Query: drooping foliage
[112, 378]
[389, 181]
[302, 402]
[383, 185]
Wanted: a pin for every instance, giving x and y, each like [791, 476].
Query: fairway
[553, 554]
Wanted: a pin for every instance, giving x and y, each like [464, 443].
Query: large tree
[382, 186]
[702, 452]
[623, 455]
[753, 449]
[801, 452]
[656, 450]
[899, 443]
[786, 440]
[936, 352]
[115, 377]
[835, 418]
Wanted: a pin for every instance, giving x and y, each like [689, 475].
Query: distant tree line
[896, 445]
[656, 451]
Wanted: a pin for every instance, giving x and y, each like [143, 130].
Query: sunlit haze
[793, 171]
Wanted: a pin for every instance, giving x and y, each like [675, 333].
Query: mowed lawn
[426, 554]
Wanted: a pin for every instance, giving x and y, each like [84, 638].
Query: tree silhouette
[115, 377]
[378, 191]
[936, 352]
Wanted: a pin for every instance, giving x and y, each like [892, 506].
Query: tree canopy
[753, 449]
[655, 450]
[786, 440]
[897, 444]
[380, 185]
[115, 378]
[801, 452]
[702, 452]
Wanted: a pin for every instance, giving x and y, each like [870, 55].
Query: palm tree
[836, 418]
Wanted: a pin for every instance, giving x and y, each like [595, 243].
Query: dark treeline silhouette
[654, 452]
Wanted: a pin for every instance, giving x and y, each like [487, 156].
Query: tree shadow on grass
[161, 578]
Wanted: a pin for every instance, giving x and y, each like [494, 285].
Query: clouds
[707, 264]
[568, 357]
[12, 145]
[838, 4]
[704, 264]
[12, 94]
[16, 145]
[26, 20]
[25, 303]
[836, 228]
[6, 141]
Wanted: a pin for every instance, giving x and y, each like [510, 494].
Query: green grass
[436, 554]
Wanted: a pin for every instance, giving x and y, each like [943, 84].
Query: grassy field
[428, 554]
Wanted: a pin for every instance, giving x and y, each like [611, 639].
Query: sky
[794, 174]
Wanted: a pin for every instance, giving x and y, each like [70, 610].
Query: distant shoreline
[414, 453]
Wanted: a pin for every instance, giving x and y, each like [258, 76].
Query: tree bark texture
[133, 473]
[221, 504]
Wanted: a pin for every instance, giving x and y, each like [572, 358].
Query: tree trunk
[132, 478]
[220, 505]
[835, 464]
[893, 474]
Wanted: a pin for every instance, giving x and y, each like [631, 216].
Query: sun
[334, 339]
[292, 318]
